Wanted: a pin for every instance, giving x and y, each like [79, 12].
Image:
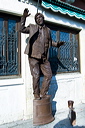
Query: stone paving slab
[61, 120]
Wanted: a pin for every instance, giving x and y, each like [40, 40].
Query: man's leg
[46, 70]
[35, 72]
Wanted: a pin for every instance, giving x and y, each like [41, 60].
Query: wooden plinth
[42, 111]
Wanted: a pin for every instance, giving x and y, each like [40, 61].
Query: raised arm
[24, 29]
[57, 44]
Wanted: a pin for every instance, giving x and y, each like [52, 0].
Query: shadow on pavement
[66, 124]
[52, 91]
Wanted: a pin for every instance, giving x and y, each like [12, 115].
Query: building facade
[67, 23]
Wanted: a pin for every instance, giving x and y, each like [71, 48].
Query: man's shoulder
[33, 26]
[47, 28]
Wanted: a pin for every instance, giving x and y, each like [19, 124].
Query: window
[66, 58]
[9, 45]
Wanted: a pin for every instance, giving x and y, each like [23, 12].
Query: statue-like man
[37, 51]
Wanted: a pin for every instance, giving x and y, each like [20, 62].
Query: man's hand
[26, 12]
[60, 43]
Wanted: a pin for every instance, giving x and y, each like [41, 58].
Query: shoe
[36, 97]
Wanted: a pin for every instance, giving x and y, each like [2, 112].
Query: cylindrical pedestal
[42, 111]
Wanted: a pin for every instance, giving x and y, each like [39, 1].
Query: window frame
[7, 17]
[59, 27]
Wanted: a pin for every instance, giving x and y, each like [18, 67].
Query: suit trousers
[35, 66]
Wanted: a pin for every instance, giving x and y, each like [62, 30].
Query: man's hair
[40, 15]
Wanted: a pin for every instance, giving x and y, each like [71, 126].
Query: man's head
[39, 19]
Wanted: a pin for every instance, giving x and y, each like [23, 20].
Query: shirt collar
[40, 27]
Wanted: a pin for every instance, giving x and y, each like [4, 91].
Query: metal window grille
[66, 58]
[8, 48]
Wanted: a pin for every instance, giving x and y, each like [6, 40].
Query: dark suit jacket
[31, 30]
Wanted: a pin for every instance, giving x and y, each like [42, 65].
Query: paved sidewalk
[61, 120]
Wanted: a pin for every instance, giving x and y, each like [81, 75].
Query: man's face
[39, 20]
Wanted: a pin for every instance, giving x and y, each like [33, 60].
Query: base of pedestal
[42, 111]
